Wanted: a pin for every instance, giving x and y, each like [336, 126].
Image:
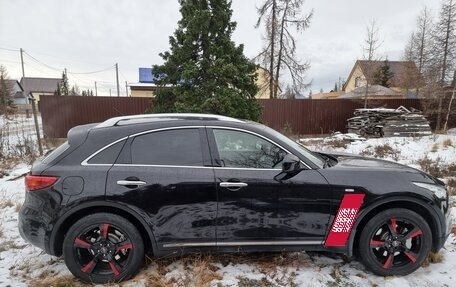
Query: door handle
[233, 184]
[131, 182]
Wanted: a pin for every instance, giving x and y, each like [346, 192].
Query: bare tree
[444, 49]
[371, 44]
[281, 19]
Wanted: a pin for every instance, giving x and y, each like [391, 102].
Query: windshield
[313, 157]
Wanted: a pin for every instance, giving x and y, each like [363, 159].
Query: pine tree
[383, 75]
[64, 86]
[204, 71]
[5, 92]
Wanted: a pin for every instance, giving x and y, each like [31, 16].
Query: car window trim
[86, 161]
[255, 134]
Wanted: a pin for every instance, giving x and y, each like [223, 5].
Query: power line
[11, 50]
[94, 72]
[9, 61]
[74, 73]
[46, 65]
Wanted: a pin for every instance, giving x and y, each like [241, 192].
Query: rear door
[166, 175]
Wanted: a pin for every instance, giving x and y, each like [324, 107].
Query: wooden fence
[60, 114]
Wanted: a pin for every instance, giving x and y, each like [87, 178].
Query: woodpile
[382, 122]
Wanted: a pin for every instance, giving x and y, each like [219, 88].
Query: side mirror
[290, 163]
[291, 166]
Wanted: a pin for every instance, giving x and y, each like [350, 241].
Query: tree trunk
[279, 61]
[271, 65]
[445, 126]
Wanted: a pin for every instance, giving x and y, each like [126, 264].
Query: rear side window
[180, 147]
[108, 155]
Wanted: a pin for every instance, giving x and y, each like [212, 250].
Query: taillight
[36, 182]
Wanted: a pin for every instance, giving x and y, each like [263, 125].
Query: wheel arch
[422, 207]
[68, 219]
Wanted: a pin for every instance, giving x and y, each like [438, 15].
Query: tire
[103, 248]
[395, 242]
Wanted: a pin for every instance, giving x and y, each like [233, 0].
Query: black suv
[175, 183]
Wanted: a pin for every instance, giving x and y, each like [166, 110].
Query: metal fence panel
[60, 114]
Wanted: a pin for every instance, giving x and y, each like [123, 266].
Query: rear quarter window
[107, 155]
[56, 152]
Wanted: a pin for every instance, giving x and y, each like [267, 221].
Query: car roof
[148, 118]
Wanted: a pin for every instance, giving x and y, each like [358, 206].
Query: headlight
[438, 190]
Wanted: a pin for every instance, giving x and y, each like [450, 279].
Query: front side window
[180, 147]
[243, 150]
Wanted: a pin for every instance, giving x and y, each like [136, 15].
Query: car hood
[359, 163]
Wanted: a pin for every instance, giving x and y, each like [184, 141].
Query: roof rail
[114, 121]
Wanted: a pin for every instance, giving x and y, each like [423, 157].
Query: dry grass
[335, 143]
[202, 270]
[433, 258]
[451, 184]
[435, 147]
[5, 203]
[385, 150]
[447, 143]
[18, 206]
[48, 280]
[7, 245]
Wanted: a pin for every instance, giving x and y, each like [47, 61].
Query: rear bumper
[36, 218]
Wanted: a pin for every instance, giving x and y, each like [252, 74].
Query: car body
[177, 183]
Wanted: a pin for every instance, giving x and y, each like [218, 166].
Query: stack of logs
[388, 122]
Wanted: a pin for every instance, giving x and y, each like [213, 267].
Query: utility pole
[110, 93]
[117, 80]
[37, 128]
[22, 62]
[126, 88]
[96, 90]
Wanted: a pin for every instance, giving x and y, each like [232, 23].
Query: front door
[255, 208]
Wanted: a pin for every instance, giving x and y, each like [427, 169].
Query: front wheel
[103, 248]
[395, 242]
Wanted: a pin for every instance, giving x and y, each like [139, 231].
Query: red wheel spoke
[376, 243]
[392, 226]
[104, 231]
[114, 268]
[389, 261]
[80, 243]
[124, 245]
[414, 233]
[412, 256]
[89, 267]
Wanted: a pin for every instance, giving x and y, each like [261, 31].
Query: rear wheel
[103, 248]
[395, 242]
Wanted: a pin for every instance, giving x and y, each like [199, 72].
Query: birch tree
[371, 45]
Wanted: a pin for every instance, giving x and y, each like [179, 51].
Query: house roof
[12, 83]
[40, 85]
[374, 90]
[403, 71]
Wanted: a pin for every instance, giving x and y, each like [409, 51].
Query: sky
[89, 37]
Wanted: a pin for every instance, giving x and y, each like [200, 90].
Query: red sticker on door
[346, 216]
